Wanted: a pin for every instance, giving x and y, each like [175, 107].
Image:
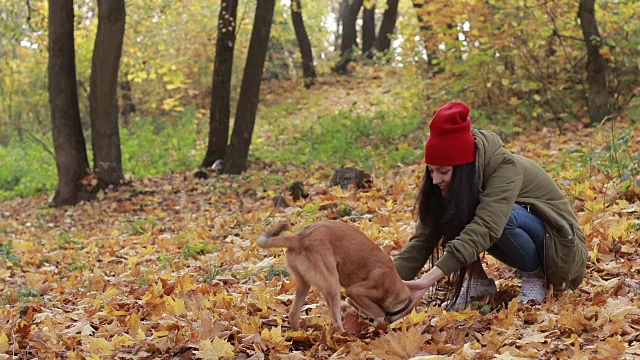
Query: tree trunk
[103, 92]
[343, 7]
[425, 29]
[70, 149]
[238, 151]
[598, 95]
[368, 30]
[387, 27]
[128, 107]
[308, 69]
[221, 84]
[349, 33]
[349, 36]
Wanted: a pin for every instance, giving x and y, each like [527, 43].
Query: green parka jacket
[505, 179]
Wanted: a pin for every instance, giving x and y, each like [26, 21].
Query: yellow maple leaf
[156, 289]
[612, 348]
[184, 283]
[136, 329]
[110, 293]
[175, 306]
[274, 338]
[122, 341]
[400, 345]
[4, 343]
[414, 318]
[98, 346]
[214, 350]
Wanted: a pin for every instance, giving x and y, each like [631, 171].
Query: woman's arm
[414, 254]
[426, 281]
[496, 201]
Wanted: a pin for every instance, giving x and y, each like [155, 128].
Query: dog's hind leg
[302, 290]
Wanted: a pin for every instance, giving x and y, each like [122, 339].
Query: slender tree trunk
[387, 27]
[341, 10]
[127, 107]
[103, 93]
[70, 149]
[238, 151]
[349, 36]
[308, 69]
[368, 30]
[425, 29]
[598, 96]
[221, 84]
[349, 33]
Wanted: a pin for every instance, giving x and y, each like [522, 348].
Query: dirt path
[367, 90]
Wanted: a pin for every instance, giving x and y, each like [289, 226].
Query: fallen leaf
[214, 350]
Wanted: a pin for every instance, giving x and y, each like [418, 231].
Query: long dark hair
[446, 216]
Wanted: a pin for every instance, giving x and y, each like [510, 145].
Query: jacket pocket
[564, 256]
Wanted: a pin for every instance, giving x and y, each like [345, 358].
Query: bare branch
[34, 138]
[29, 16]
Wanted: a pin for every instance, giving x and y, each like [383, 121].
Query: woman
[477, 196]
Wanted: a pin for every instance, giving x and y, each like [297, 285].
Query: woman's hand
[419, 287]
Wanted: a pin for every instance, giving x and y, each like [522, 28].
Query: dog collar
[402, 309]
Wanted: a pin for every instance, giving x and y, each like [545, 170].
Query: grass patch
[383, 138]
[142, 226]
[26, 169]
[274, 272]
[6, 251]
[193, 250]
[27, 294]
[212, 274]
[152, 147]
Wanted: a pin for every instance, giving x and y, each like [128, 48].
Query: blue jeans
[521, 244]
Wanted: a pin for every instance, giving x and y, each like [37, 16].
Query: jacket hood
[487, 143]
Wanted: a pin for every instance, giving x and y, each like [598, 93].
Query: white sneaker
[533, 288]
[471, 289]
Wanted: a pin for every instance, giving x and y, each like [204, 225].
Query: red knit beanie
[450, 142]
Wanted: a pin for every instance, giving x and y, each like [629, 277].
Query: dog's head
[402, 311]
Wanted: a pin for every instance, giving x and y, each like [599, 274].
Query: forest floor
[167, 267]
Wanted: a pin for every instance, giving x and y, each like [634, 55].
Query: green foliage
[149, 148]
[141, 226]
[144, 280]
[616, 159]
[533, 67]
[26, 170]
[385, 137]
[192, 250]
[159, 147]
[273, 272]
[212, 274]
[27, 294]
[344, 210]
[79, 267]
[6, 251]
[165, 262]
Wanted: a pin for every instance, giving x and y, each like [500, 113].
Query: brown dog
[328, 254]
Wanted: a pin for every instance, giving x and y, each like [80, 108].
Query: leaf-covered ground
[168, 268]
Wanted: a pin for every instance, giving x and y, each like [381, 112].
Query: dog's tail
[270, 238]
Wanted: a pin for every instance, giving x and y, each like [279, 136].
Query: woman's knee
[513, 222]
